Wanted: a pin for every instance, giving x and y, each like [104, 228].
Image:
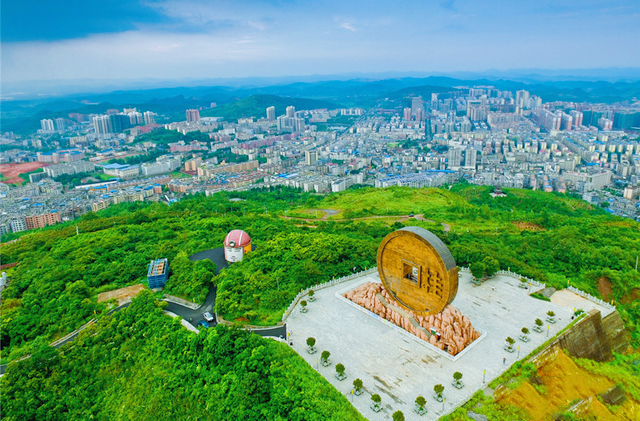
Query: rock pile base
[453, 330]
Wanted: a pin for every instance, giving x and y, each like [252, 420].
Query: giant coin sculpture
[418, 270]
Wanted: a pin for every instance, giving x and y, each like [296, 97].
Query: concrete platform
[568, 299]
[398, 367]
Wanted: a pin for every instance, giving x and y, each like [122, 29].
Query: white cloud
[348, 26]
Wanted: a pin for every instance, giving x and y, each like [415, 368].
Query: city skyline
[195, 39]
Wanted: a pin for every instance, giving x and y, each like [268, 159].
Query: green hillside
[553, 238]
[140, 364]
[256, 105]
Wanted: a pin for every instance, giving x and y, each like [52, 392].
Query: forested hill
[141, 365]
[302, 239]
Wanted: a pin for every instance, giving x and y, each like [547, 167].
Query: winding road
[190, 315]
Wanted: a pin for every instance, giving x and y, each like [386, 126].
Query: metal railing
[591, 298]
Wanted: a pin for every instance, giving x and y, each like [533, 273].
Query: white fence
[542, 285]
[591, 298]
[533, 282]
[325, 285]
[517, 276]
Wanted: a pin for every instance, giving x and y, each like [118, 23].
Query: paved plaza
[399, 367]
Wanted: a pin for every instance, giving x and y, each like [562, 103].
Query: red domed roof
[237, 238]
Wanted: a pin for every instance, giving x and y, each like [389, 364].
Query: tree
[525, 331]
[477, 270]
[438, 389]
[376, 398]
[398, 416]
[551, 313]
[324, 358]
[340, 371]
[457, 376]
[357, 386]
[421, 402]
[491, 265]
[311, 342]
[312, 294]
[510, 342]
[539, 322]
[303, 308]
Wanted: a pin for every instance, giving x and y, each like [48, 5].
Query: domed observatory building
[236, 244]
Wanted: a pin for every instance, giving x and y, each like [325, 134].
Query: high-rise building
[283, 123]
[534, 102]
[416, 104]
[291, 111]
[419, 114]
[455, 157]
[567, 122]
[624, 120]
[577, 118]
[311, 157]
[470, 158]
[298, 124]
[271, 113]
[47, 125]
[60, 125]
[407, 114]
[605, 124]
[135, 118]
[522, 99]
[102, 124]
[119, 122]
[193, 116]
[149, 117]
[477, 112]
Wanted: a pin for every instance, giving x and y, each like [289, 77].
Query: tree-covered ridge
[54, 288]
[140, 364]
[263, 285]
[553, 238]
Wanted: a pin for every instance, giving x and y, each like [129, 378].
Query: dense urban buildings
[479, 134]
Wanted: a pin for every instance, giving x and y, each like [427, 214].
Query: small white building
[236, 244]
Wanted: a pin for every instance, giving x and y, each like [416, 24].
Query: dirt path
[399, 218]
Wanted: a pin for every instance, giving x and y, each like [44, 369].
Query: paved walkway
[566, 298]
[398, 366]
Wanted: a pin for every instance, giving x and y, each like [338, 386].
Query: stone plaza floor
[399, 367]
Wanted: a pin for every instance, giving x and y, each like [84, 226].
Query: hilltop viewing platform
[399, 366]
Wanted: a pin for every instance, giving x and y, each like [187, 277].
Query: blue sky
[175, 39]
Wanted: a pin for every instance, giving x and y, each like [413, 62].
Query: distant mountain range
[23, 116]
